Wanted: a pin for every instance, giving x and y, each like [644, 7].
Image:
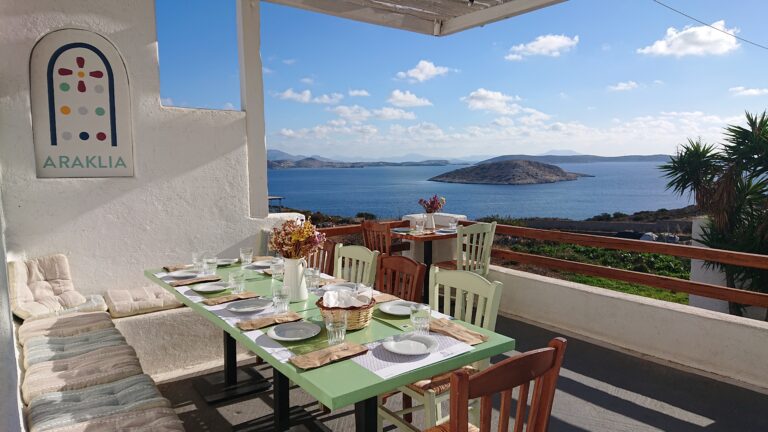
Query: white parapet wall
[731, 347]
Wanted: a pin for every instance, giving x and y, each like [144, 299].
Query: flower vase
[293, 279]
[429, 223]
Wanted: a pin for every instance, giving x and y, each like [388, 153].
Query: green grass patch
[629, 288]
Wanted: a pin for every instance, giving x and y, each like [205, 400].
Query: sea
[391, 192]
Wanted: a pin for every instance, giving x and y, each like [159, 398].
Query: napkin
[228, 298]
[347, 299]
[185, 282]
[328, 355]
[384, 297]
[456, 331]
[331, 281]
[258, 323]
[175, 267]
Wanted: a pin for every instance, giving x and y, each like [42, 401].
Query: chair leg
[407, 403]
[430, 409]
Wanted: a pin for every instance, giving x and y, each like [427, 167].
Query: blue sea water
[394, 191]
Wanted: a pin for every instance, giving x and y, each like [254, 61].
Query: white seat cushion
[39, 349]
[127, 302]
[64, 325]
[56, 410]
[43, 287]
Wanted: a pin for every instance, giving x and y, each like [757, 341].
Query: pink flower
[432, 205]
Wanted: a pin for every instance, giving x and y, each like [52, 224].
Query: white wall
[190, 187]
[713, 342]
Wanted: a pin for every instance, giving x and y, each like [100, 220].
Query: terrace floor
[599, 390]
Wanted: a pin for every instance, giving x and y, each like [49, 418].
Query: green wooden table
[343, 383]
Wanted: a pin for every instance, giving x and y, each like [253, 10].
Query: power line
[710, 26]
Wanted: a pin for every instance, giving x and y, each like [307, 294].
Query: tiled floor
[599, 390]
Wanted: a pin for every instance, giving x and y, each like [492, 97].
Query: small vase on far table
[429, 223]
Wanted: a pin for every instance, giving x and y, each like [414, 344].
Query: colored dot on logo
[84, 136]
[64, 87]
[81, 74]
[65, 110]
[101, 136]
[99, 111]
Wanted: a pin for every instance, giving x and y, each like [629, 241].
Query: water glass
[276, 269]
[336, 326]
[197, 262]
[209, 266]
[280, 297]
[452, 224]
[311, 275]
[419, 222]
[420, 315]
[237, 282]
[246, 256]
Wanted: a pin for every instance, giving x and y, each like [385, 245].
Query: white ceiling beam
[492, 14]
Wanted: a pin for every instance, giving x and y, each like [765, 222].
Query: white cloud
[229, 106]
[658, 82]
[697, 41]
[623, 86]
[266, 71]
[487, 100]
[166, 101]
[547, 45]
[744, 91]
[352, 114]
[359, 93]
[533, 117]
[305, 96]
[400, 98]
[307, 81]
[389, 113]
[289, 61]
[424, 71]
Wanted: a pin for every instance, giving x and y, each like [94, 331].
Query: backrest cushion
[42, 286]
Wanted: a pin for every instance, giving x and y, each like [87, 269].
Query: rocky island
[508, 172]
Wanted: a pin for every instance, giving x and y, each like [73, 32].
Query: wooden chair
[355, 264]
[378, 236]
[323, 258]
[473, 248]
[401, 276]
[542, 366]
[475, 300]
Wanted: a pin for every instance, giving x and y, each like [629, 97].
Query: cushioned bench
[81, 375]
[136, 301]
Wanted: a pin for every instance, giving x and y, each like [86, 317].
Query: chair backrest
[322, 258]
[473, 247]
[401, 276]
[355, 264]
[542, 366]
[465, 295]
[377, 236]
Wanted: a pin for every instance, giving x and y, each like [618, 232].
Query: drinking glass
[280, 298]
[246, 256]
[209, 265]
[419, 222]
[197, 262]
[336, 326]
[277, 270]
[420, 314]
[311, 275]
[452, 224]
[237, 281]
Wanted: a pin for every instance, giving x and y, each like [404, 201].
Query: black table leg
[365, 414]
[233, 382]
[282, 401]
[428, 263]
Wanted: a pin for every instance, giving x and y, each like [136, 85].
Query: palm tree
[731, 186]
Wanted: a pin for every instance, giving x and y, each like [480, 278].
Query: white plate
[446, 231]
[294, 331]
[411, 345]
[402, 230]
[399, 307]
[210, 288]
[266, 263]
[182, 274]
[249, 305]
[225, 261]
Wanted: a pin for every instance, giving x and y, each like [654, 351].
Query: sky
[590, 76]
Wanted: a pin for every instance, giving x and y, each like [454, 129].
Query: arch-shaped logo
[80, 107]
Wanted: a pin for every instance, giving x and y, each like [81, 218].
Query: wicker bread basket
[357, 317]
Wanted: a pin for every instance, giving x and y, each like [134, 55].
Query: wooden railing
[663, 282]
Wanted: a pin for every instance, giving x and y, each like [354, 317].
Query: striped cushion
[64, 325]
[101, 366]
[147, 420]
[40, 348]
[61, 409]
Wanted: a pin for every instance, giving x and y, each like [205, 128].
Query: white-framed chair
[473, 248]
[355, 264]
[466, 296]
